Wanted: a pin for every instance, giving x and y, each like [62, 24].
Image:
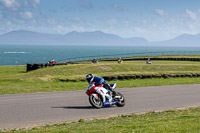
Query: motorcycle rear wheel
[95, 102]
[121, 101]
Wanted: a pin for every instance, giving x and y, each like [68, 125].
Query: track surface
[24, 110]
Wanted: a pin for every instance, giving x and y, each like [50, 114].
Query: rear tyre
[121, 100]
[96, 102]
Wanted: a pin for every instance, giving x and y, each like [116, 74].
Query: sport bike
[101, 97]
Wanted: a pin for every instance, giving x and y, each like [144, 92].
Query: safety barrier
[128, 77]
[165, 76]
[171, 59]
[30, 67]
[145, 54]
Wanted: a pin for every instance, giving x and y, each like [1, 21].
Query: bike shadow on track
[80, 107]
[75, 107]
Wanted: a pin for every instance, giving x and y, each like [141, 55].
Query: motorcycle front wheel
[96, 102]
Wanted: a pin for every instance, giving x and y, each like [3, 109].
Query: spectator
[149, 61]
[120, 61]
[53, 62]
[95, 61]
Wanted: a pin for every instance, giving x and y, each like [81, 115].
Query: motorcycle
[101, 97]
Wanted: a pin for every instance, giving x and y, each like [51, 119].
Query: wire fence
[85, 58]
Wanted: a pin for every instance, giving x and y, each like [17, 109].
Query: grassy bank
[16, 87]
[168, 121]
[15, 79]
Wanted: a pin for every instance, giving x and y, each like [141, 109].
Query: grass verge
[16, 87]
[187, 120]
[15, 79]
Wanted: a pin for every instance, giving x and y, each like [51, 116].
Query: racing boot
[112, 92]
[107, 86]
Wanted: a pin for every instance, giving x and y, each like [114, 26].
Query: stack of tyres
[36, 66]
[29, 67]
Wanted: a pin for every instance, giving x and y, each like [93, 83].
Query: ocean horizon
[23, 54]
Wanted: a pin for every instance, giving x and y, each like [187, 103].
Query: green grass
[186, 121]
[169, 56]
[15, 79]
[16, 87]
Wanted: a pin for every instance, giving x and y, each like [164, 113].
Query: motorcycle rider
[98, 81]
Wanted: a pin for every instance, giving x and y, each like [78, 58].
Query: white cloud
[126, 23]
[191, 14]
[111, 21]
[172, 20]
[9, 23]
[76, 19]
[51, 21]
[161, 12]
[86, 4]
[36, 3]
[26, 15]
[138, 29]
[11, 4]
[154, 25]
[144, 21]
[118, 8]
[192, 29]
[191, 26]
[78, 28]
[1, 16]
[60, 28]
[32, 3]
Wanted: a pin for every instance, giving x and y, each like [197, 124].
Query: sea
[23, 54]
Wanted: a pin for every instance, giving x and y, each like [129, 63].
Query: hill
[92, 38]
[184, 40]
[72, 38]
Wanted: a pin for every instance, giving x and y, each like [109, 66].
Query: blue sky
[154, 20]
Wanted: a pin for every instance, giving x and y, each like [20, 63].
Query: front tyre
[95, 101]
[120, 100]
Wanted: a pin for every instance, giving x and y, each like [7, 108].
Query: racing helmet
[89, 77]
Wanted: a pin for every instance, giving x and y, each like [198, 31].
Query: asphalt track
[28, 110]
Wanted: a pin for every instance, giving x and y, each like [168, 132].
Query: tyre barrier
[30, 67]
[128, 77]
[156, 76]
[132, 77]
[108, 78]
[68, 80]
[144, 76]
[165, 76]
[114, 78]
[173, 59]
[120, 78]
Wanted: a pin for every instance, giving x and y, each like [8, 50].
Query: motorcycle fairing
[113, 86]
[108, 103]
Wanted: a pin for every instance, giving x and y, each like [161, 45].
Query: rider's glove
[100, 83]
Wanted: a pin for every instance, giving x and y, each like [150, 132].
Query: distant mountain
[93, 38]
[72, 38]
[184, 40]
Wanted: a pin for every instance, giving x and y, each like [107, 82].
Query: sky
[154, 20]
